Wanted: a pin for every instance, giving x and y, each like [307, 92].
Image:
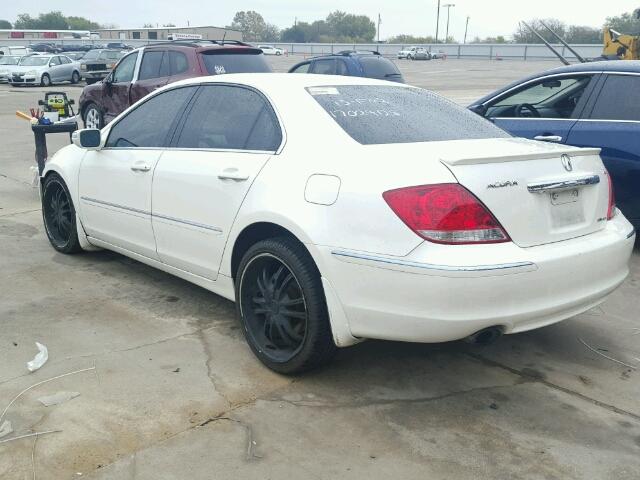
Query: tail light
[611, 210]
[445, 213]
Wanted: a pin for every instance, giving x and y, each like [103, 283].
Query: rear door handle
[140, 167]
[549, 138]
[233, 174]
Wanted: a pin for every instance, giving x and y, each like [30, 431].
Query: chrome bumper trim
[430, 266]
[563, 184]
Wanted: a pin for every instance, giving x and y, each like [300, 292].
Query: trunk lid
[540, 193]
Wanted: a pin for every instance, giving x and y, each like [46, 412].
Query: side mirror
[87, 138]
[479, 109]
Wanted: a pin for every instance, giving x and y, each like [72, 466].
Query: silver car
[45, 70]
[8, 64]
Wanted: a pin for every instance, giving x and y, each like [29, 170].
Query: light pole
[448, 7]
[438, 21]
[466, 29]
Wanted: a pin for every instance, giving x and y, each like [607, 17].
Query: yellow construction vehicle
[618, 45]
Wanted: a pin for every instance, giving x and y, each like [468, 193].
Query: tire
[92, 117]
[277, 275]
[75, 77]
[90, 81]
[59, 215]
[45, 80]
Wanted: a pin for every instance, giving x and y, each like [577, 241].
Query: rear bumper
[428, 297]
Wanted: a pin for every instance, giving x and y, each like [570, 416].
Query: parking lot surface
[173, 391]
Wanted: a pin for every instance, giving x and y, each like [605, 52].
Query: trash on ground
[606, 356]
[40, 359]
[58, 398]
[5, 428]
[35, 434]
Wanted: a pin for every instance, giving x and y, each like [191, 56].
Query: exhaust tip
[485, 336]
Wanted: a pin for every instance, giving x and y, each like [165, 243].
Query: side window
[179, 62]
[614, 101]
[135, 129]
[341, 67]
[64, 60]
[226, 117]
[124, 70]
[54, 61]
[548, 98]
[324, 67]
[304, 68]
[153, 65]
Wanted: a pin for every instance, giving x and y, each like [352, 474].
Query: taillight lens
[611, 210]
[445, 213]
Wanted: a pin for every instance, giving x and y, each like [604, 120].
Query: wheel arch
[261, 230]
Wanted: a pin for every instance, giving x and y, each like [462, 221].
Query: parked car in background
[437, 55]
[45, 70]
[270, 50]
[587, 105]
[96, 64]
[414, 53]
[8, 64]
[118, 46]
[144, 70]
[371, 218]
[13, 50]
[45, 47]
[351, 63]
[74, 47]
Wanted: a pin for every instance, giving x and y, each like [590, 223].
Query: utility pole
[466, 29]
[448, 7]
[379, 22]
[438, 21]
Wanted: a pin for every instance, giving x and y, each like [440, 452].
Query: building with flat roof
[166, 33]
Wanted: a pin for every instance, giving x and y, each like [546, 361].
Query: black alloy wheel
[59, 215]
[281, 304]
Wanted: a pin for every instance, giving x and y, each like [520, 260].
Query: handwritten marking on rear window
[364, 113]
[219, 69]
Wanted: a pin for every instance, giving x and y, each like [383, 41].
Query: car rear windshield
[380, 114]
[379, 67]
[218, 62]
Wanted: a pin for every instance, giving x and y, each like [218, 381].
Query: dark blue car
[351, 63]
[587, 105]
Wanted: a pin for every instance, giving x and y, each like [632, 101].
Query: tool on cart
[58, 102]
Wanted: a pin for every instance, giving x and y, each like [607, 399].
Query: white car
[408, 52]
[8, 64]
[334, 209]
[45, 70]
[270, 50]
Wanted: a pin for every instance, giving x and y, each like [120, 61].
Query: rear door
[116, 88]
[153, 74]
[226, 137]
[543, 109]
[55, 69]
[612, 122]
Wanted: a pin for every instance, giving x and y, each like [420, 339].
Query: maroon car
[148, 68]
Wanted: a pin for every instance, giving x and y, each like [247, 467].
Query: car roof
[604, 66]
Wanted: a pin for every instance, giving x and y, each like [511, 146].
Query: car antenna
[561, 40]
[224, 35]
[556, 53]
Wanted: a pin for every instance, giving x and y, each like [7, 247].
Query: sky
[416, 17]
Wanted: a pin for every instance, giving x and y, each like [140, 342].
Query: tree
[271, 33]
[347, 27]
[148, 25]
[625, 23]
[5, 25]
[81, 23]
[525, 35]
[498, 39]
[250, 23]
[406, 39]
[169, 25]
[583, 34]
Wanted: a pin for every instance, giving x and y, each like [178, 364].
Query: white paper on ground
[40, 359]
[5, 428]
[58, 398]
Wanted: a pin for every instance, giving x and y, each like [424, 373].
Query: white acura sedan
[334, 209]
